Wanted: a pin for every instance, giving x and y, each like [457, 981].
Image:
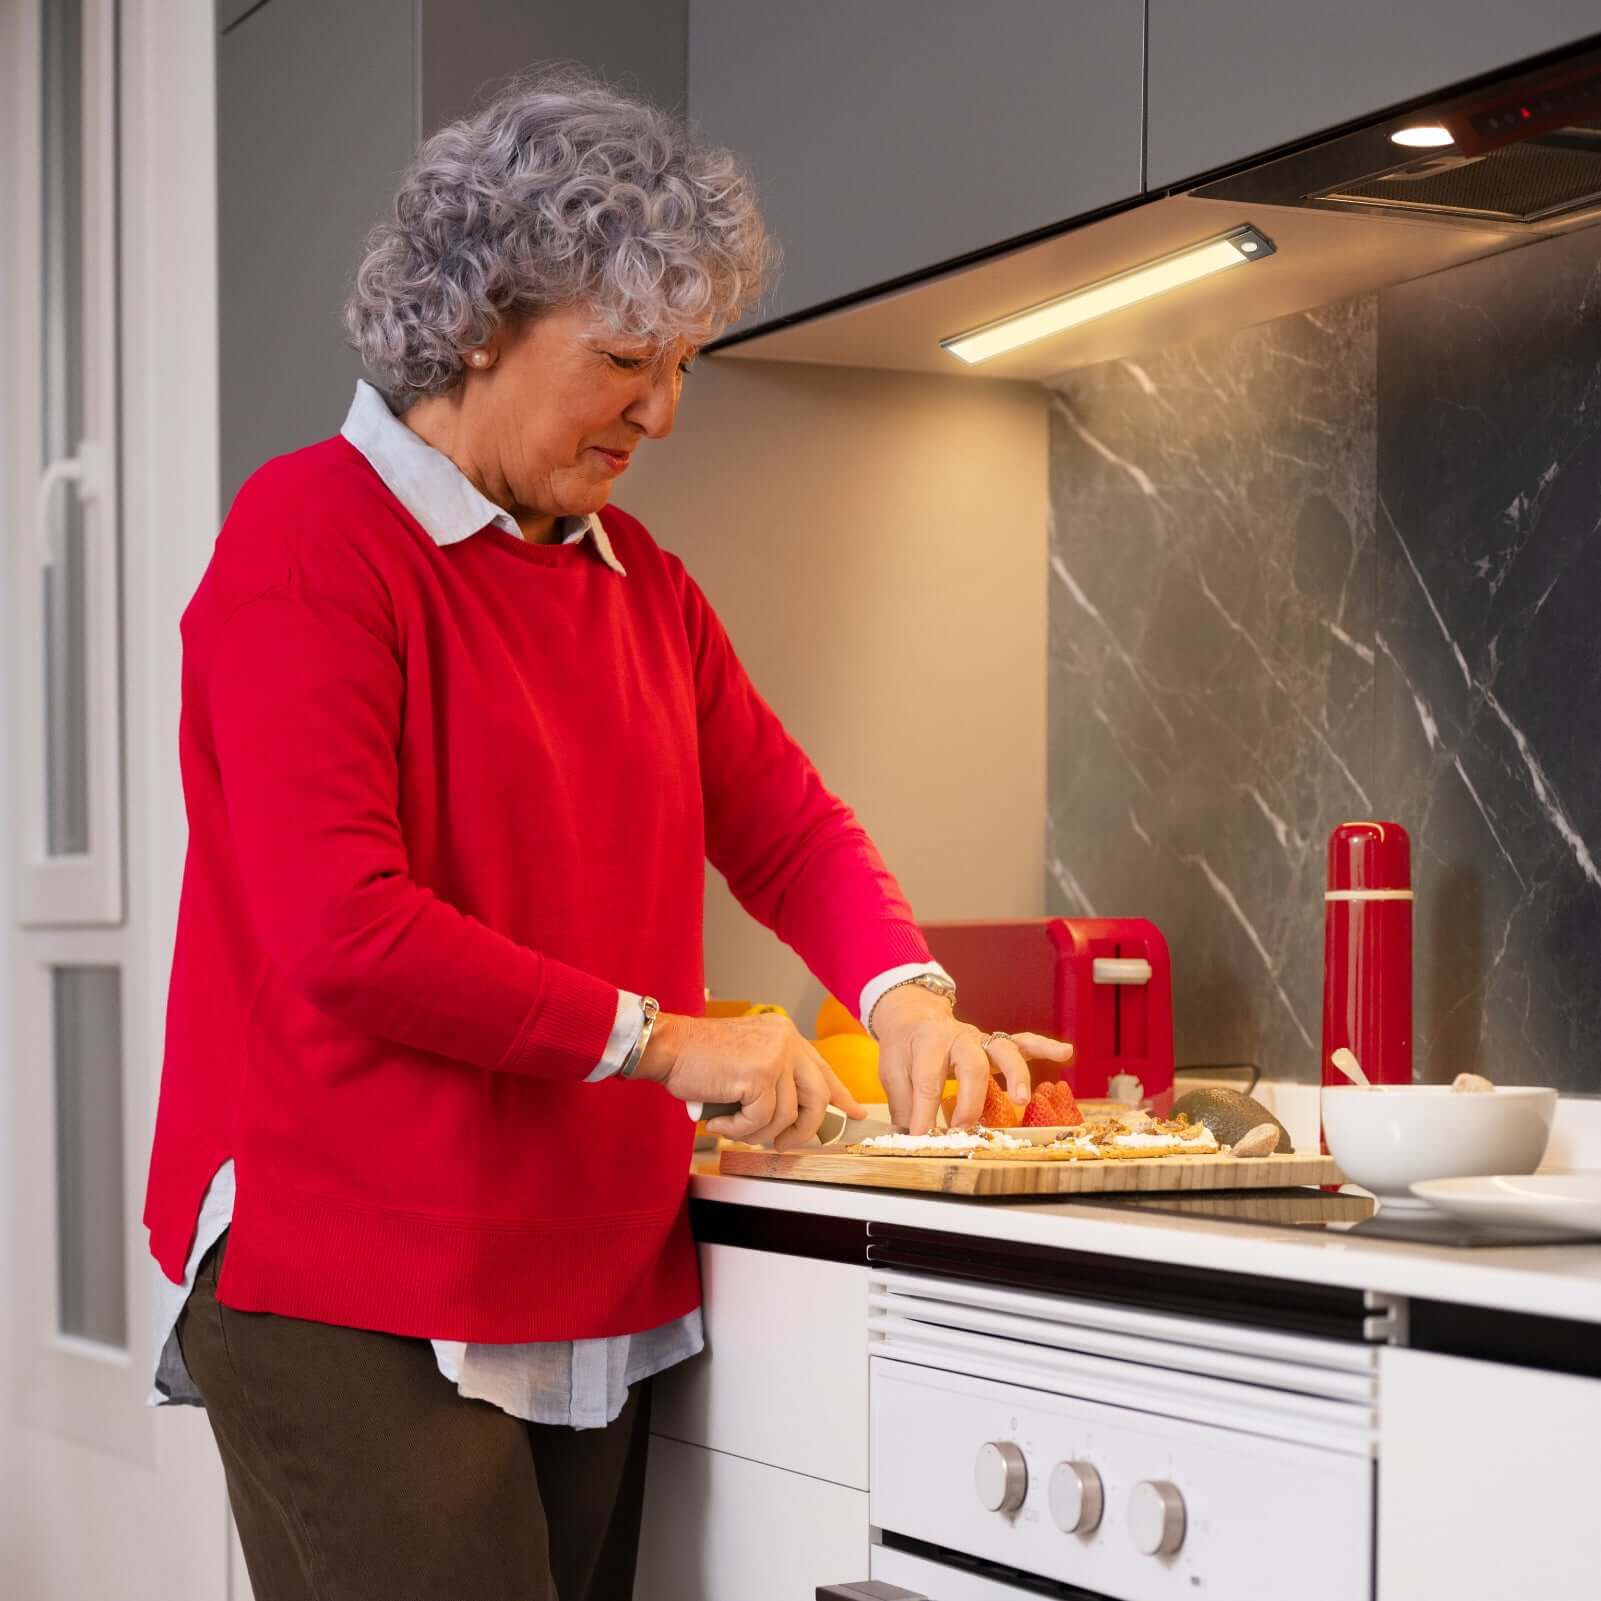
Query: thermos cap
[1370, 855]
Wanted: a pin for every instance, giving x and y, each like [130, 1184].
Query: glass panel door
[86, 1007]
[65, 644]
[67, 636]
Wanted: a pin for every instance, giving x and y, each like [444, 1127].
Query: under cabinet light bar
[1185, 266]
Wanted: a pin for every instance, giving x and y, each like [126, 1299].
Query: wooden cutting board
[966, 1176]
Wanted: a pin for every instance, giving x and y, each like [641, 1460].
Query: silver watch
[928, 981]
[648, 1005]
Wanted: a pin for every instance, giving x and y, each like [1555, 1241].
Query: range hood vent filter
[1522, 183]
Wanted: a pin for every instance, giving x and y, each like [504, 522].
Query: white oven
[1020, 1437]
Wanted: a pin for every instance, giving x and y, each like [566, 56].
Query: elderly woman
[457, 739]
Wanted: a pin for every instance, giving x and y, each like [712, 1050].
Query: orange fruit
[835, 1017]
[854, 1057]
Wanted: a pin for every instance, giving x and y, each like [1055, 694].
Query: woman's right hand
[782, 1085]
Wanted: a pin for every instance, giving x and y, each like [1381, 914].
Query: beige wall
[876, 545]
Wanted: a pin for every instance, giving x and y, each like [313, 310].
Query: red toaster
[1103, 983]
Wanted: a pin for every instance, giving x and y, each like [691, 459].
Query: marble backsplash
[1345, 564]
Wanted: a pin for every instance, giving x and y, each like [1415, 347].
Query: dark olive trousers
[357, 1472]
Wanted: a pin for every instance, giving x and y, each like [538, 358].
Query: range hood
[1524, 153]
[1519, 158]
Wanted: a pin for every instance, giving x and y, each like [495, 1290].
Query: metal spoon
[1348, 1064]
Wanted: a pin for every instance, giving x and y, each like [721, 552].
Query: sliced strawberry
[1065, 1107]
[1039, 1113]
[1000, 1110]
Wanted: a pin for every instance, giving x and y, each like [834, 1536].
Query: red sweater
[443, 801]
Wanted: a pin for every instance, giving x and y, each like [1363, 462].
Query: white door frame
[104, 1497]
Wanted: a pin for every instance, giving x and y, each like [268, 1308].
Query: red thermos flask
[1367, 952]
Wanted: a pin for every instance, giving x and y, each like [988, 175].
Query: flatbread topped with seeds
[963, 1142]
[1109, 1141]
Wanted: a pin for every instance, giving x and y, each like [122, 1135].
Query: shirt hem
[482, 1281]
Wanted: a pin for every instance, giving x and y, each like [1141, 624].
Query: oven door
[933, 1581]
[900, 1576]
[1024, 1444]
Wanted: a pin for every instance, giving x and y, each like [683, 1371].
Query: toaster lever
[1121, 970]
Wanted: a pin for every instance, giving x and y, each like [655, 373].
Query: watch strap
[942, 987]
[649, 1006]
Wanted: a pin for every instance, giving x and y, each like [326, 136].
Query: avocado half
[1229, 1115]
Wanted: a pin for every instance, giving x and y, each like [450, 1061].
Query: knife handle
[832, 1127]
[708, 1109]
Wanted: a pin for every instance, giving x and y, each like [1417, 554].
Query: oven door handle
[868, 1590]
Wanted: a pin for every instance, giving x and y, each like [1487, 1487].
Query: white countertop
[1551, 1280]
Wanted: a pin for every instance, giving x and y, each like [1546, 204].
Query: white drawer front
[784, 1376]
[1256, 1512]
[718, 1528]
[1488, 1489]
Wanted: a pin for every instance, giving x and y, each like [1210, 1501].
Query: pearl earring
[478, 358]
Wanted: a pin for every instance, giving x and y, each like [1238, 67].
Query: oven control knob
[1156, 1517]
[1076, 1498]
[1000, 1476]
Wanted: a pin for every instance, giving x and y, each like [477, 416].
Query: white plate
[1527, 1200]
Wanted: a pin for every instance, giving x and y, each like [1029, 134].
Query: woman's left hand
[922, 1043]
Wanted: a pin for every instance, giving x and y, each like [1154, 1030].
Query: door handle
[84, 470]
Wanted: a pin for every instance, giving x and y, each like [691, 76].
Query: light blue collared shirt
[581, 1383]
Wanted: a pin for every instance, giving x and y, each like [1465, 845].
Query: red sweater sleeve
[794, 854]
[304, 693]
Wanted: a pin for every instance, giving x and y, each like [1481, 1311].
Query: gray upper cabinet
[319, 108]
[891, 136]
[1232, 78]
[315, 121]
[467, 49]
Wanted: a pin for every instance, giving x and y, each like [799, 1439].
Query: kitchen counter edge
[1560, 1281]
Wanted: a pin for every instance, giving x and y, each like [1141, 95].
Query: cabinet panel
[1486, 1480]
[636, 44]
[1234, 77]
[315, 121]
[719, 1528]
[890, 137]
[783, 1379]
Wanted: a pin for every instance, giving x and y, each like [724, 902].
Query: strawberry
[1000, 1110]
[1066, 1105]
[1054, 1106]
[1039, 1113]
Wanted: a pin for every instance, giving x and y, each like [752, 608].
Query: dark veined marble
[1489, 654]
[1345, 564]
[1211, 660]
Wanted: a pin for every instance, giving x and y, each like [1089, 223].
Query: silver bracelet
[929, 981]
[636, 1055]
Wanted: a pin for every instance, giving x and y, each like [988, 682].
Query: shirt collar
[435, 490]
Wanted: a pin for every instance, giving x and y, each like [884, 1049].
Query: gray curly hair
[560, 191]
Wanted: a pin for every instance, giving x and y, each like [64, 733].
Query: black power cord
[1250, 1069]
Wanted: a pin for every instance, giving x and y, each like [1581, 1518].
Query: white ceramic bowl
[1393, 1135]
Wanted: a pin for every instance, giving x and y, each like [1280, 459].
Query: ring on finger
[997, 1034]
